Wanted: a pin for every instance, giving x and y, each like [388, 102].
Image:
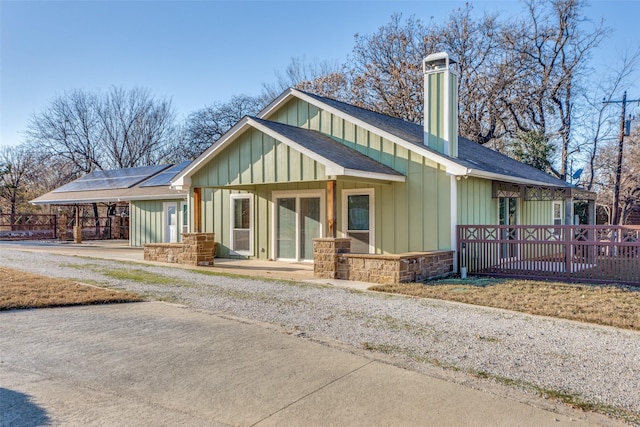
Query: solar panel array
[164, 178]
[112, 179]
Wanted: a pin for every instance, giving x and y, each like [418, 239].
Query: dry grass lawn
[605, 305]
[26, 290]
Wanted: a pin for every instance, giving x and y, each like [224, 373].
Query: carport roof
[143, 183]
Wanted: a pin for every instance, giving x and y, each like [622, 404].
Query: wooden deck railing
[21, 226]
[599, 254]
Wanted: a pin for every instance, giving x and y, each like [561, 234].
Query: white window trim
[233, 198]
[297, 194]
[165, 238]
[553, 209]
[183, 227]
[372, 214]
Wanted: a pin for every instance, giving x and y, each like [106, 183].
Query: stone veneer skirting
[332, 260]
[195, 249]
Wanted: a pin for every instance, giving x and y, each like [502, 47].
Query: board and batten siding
[410, 216]
[256, 158]
[537, 212]
[216, 215]
[145, 217]
[475, 204]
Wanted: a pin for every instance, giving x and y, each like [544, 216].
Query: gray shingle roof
[328, 148]
[470, 154]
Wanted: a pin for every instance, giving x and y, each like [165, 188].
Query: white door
[171, 222]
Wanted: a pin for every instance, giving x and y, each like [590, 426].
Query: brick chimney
[440, 104]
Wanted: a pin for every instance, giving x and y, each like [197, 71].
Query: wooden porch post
[568, 211]
[332, 206]
[197, 210]
[592, 211]
[77, 229]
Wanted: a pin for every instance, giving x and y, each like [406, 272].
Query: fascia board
[276, 103]
[509, 178]
[183, 180]
[374, 175]
[452, 167]
[108, 199]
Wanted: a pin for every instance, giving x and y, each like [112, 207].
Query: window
[358, 219]
[557, 213]
[242, 224]
[185, 218]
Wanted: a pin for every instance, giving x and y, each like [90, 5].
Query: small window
[242, 224]
[557, 213]
[358, 219]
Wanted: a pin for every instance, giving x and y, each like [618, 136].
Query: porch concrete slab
[160, 364]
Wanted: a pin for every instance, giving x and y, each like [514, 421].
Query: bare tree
[17, 165]
[206, 126]
[629, 186]
[386, 68]
[136, 128]
[324, 78]
[553, 44]
[104, 131]
[600, 123]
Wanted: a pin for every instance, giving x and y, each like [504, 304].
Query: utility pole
[616, 188]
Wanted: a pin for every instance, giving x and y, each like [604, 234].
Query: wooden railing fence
[597, 253]
[27, 226]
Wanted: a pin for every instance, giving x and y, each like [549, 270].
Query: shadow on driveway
[17, 409]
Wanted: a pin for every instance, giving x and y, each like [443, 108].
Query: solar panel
[111, 179]
[164, 178]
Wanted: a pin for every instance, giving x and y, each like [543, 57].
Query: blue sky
[200, 52]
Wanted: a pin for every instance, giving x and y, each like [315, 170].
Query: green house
[310, 167]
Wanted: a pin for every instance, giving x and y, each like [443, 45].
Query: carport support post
[77, 228]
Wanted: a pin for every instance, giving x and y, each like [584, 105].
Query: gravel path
[597, 364]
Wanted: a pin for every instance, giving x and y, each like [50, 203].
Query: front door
[170, 222]
[298, 220]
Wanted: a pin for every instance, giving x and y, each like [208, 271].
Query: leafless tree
[386, 68]
[553, 43]
[17, 165]
[96, 131]
[599, 122]
[324, 78]
[206, 126]
[629, 191]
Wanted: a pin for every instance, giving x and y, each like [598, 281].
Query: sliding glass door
[297, 221]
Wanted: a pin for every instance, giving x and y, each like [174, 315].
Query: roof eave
[509, 178]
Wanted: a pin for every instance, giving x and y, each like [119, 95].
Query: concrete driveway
[151, 364]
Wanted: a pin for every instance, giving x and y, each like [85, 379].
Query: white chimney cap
[437, 61]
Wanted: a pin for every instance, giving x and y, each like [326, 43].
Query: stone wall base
[400, 268]
[332, 260]
[195, 249]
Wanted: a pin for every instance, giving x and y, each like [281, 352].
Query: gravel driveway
[596, 364]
